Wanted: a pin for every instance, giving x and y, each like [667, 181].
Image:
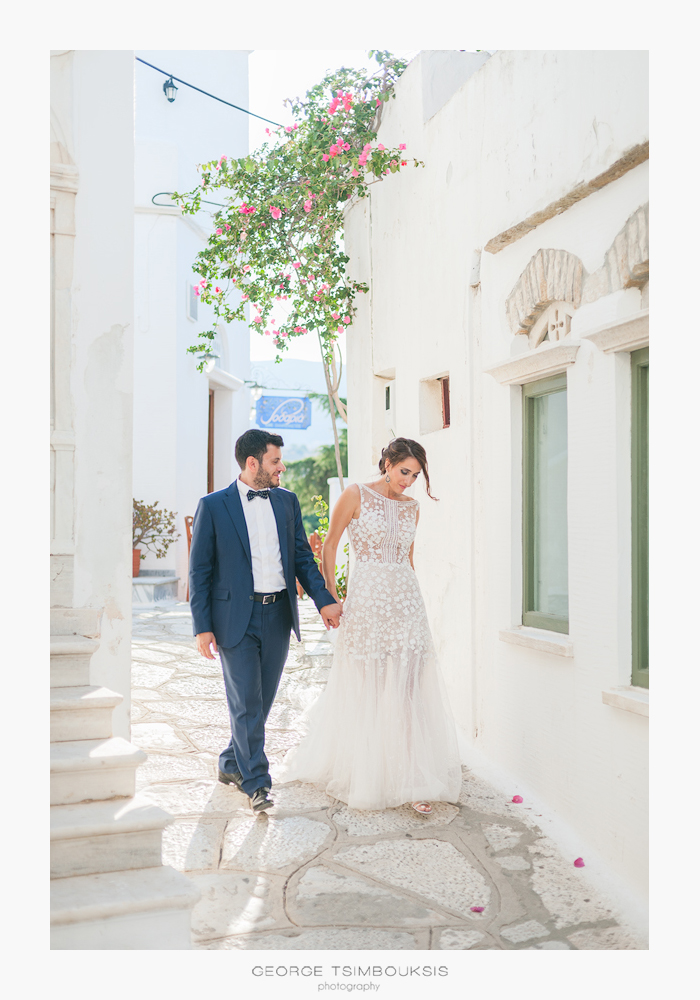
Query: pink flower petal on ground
[579, 863]
[477, 909]
[517, 798]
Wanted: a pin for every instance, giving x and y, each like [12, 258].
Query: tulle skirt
[381, 733]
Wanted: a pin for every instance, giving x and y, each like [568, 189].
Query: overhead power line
[206, 93]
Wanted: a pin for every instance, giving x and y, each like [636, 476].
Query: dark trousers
[252, 672]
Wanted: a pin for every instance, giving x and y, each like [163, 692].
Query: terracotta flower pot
[136, 562]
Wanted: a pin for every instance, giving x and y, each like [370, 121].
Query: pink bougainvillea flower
[288, 128]
[346, 146]
[477, 909]
[308, 205]
[258, 319]
[227, 225]
[404, 162]
[267, 333]
[346, 319]
[297, 329]
[203, 282]
[219, 232]
[517, 798]
[245, 297]
[579, 863]
[283, 333]
[246, 268]
[378, 102]
[275, 212]
[380, 146]
[355, 173]
[335, 315]
[393, 163]
[297, 264]
[218, 290]
[363, 159]
[267, 131]
[326, 157]
[196, 291]
[402, 145]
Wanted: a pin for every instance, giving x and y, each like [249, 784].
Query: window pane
[549, 534]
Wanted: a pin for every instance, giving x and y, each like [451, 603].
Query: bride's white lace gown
[381, 733]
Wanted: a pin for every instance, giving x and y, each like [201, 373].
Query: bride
[381, 733]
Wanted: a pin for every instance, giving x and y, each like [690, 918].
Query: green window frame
[640, 517]
[545, 536]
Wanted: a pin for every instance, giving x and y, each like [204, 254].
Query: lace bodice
[385, 529]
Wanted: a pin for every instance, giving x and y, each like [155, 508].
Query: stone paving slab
[314, 874]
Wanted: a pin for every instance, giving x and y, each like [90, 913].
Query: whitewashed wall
[171, 398]
[92, 111]
[523, 131]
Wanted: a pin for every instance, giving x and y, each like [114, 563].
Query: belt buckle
[269, 598]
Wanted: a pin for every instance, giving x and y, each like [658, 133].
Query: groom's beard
[263, 481]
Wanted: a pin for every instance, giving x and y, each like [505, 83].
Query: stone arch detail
[550, 276]
[626, 264]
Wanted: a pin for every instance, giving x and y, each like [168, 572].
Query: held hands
[331, 615]
[204, 641]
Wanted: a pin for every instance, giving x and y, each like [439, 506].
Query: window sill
[536, 364]
[538, 638]
[625, 335]
[630, 699]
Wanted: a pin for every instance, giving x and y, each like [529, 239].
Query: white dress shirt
[268, 575]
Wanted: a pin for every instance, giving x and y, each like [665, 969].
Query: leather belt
[268, 598]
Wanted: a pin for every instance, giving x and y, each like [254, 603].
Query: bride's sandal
[422, 808]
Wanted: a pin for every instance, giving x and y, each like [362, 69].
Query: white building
[185, 423]
[109, 889]
[515, 266]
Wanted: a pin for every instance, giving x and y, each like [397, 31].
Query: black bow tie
[252, 494]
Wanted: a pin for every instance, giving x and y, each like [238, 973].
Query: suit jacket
[221, 569]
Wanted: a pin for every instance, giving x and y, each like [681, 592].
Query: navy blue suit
[253, 639]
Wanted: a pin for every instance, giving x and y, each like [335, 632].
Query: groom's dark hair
[253, 444]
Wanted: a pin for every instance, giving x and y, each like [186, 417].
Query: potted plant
[153, 530]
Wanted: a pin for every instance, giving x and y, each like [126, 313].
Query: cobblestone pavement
[313, 874]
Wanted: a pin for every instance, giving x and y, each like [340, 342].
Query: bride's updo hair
[401, 448]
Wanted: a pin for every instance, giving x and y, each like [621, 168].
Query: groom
[248, 548]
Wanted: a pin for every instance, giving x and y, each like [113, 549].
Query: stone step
[114, 835]
[149, 908]
[88, 770]
[82, 713]
[76, 621]
[70, 660]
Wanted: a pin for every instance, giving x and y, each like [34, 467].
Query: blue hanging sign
[290, 412]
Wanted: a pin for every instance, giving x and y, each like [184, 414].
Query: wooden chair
[188, 529]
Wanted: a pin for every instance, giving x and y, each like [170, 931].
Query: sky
[275, 74]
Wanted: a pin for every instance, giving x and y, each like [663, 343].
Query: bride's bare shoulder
[349, 501]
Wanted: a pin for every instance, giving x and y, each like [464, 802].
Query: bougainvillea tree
[276, 250]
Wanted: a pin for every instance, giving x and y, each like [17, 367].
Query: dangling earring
[387, 479]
